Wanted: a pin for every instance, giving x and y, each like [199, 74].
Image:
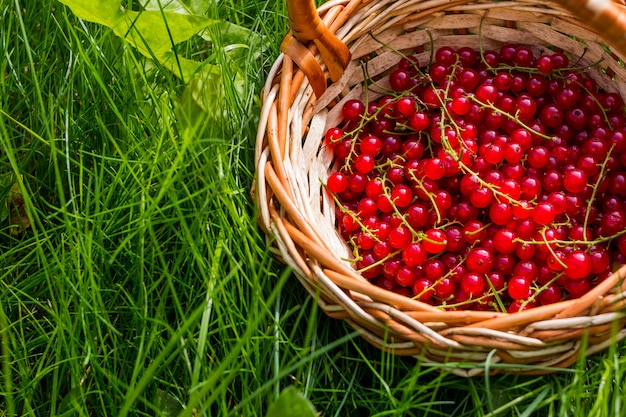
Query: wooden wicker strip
[306, 61]
[299, 216]
[307, 26]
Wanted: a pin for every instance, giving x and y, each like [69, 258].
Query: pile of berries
[486, 180]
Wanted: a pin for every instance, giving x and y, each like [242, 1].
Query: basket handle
[607, 17]
[306, 25]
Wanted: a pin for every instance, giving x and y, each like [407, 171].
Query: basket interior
[378, 44]
[378, 34]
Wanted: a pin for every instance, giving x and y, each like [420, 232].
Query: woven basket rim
[292, 118]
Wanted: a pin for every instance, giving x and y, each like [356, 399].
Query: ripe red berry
[419, 121]
[577, 287]
[505, 241]
[353, 110]
[337, 182]
[503, 80]
[456, 239]
[414, 254]
[468, 79]
[575, 180]
[518, 288]
[551, 115]
[577, 264]
[367, 207]
[433, 97]
[467, 56]
[357, 182]
[479, 260]
[501, 213]
[435, 168]
[371, 145]
[444, 288]
[423, 289]
[545, 64]
[544, 213]
[446, 56]
[538, 157]
[434, 268]
[435, 241]
[399, 237]
[401, 195]
[487, 93]
[406, 106]
[550, 295]
[600, 259]
[364, 163]
[472, 283]
[513, 152]
[333, 136]
[482, 197]
[400, 80]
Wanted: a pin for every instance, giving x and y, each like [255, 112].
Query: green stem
[595, 189]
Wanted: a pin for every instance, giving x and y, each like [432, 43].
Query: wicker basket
[299, 104]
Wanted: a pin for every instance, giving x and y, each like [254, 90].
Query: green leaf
[154, 33]
[102, 12]
[229, 33]
[198, 7]
[9, 189]
[161, 25]
[69, 402]
[167, 403]
[207, 91]
[291, 403]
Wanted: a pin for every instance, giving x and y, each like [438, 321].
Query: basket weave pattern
[299, 216]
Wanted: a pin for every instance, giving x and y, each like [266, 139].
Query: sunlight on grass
[133, 278]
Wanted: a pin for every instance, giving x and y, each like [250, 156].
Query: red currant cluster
[490, 181]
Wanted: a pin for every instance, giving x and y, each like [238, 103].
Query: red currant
[577, 264]
[435, 241]
[337, 182]
[353, 110]
[479, 260]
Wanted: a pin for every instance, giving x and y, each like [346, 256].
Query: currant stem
[595, 189]
[572, 242]
[355, 217]
[540, 289]
[431, 197]
[510, 116]
[378, 262]
[494, 189]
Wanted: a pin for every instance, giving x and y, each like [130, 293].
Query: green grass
[133, 278]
